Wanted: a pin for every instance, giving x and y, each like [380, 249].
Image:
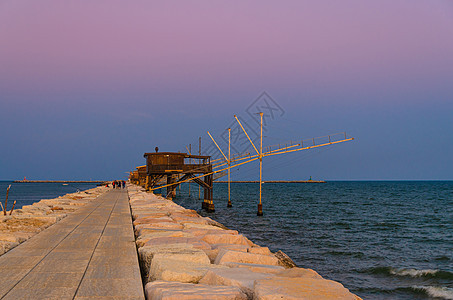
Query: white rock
[226, 239]
[146, 253]
[300, 288]
[177, 270]
[162, 290]
[143, 239]
[180, 263]
[240, 277]
[227, 256]
[260, 250]
[258, 268]
[197, 243]
[299, 272]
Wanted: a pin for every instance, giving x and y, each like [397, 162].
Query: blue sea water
[29, 193]
[382, 240]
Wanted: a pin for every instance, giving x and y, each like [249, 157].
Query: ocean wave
[434, 291]
[427, 273]
[413, 272]
[430, 291]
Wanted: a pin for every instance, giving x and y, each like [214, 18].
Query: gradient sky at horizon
[86, 87]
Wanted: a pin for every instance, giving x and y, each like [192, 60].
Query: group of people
[118, 184]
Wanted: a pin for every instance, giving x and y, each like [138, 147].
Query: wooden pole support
[260, 210]
[6, 200]
[14, 204]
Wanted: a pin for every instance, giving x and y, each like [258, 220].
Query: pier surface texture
[91, 254]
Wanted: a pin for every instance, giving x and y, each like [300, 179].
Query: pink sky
[51, 48]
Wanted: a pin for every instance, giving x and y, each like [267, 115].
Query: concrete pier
[90, 254]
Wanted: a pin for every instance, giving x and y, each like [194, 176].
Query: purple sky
[86, 87]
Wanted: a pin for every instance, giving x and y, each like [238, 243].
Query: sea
[29, 192]
[380, 239]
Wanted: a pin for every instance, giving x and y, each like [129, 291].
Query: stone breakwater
[186, 256]
[32, 219]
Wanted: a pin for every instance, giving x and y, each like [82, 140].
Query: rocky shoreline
[32, 219]
[186, 256]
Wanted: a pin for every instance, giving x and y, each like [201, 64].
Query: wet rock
[284, 260]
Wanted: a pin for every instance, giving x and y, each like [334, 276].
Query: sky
[87, 87]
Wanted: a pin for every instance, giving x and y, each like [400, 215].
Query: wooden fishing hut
[178, 167]
[141, 170]
[138, 176]
[133, 177]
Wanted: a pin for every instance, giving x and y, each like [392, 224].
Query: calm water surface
[382, 240]
[28, 193]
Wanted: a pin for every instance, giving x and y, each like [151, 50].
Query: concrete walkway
[89, 254]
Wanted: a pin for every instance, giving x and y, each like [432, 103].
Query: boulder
[227, 256]
[201, 226]
[178, 240]
[183, 254]
[299, 272]
[203, 231]
[240, 277]
[212, 254]
[217, 247]
[150, 220]
[258, 268]
[143, 239]
[176, 270]
[158, 225]
[226, 239]
[175, 263]
[260, 250]
[146, 253]
[235, 247]
[215, 223]
[284, 260]
[300, 288]
[162, 290]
